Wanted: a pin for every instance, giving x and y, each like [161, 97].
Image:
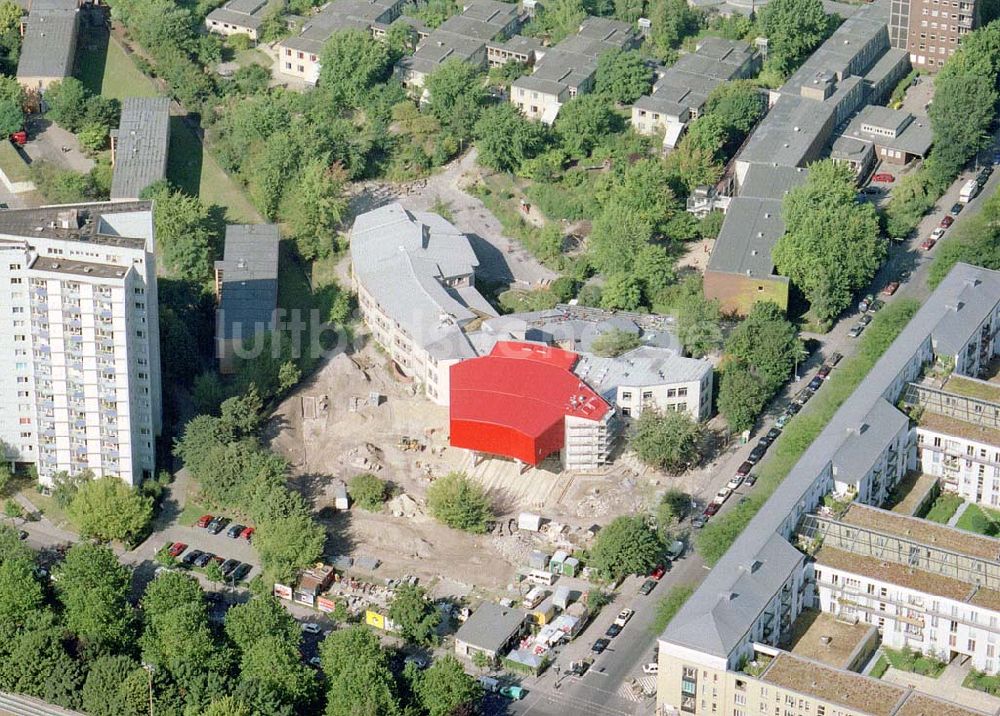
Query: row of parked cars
[232, 569]
[744, 477]
[214, 525]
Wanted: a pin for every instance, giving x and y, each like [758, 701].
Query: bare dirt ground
[696, 255]
[352, 435]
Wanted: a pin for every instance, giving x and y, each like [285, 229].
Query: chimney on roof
[68, 219]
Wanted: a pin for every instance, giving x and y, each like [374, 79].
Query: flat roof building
[139, 146]
[489, 630]
[879, 134]
[48, 43]
[930, 39]
[246, 285]
[82, 385]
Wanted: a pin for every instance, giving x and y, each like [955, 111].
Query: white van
[489, 684]
[533, 598]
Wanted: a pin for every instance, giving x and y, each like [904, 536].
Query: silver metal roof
[249, 291]
[48, 47]
[141, 143]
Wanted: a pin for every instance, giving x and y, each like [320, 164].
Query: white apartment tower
[79, 339]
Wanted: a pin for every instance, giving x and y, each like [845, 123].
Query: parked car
[865, 319]
[793, 409]
[240, 573]
[815, 383]
[421, 662]
[612, 631]
[600, 645]
[513, 692]
[658, 572]
[803, 397]
[835, 358]
[217, 525]
[204, 521]
[722, 495]
[578, 668]
[884, 177]
[750, 480]
[947, 221]
[757, 453]
[782, 420]
[928, 243]
[315, 662]
[735, 483]
[711, 509]
[856, 330]
[890, 288]
[176, 549]
[698, 522]
[863, 305]
[228, 566]
[648, 586]
[623, 616]
[956, 208]
[876, 306]
[651, 668]
[824, 371]
[203, 559]
[235, 531]
[192, 556]
[310, 627]
[744, 469]
[937, 233]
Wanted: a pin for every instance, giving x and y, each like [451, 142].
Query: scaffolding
[974, 411]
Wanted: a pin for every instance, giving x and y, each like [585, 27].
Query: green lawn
[981, 520]
[914, 662]
[943, 508]
[106, 69]
[981, 682]
[47, 505]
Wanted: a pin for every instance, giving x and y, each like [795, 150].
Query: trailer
[969, 191]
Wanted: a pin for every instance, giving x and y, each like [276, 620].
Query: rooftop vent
[825, 640]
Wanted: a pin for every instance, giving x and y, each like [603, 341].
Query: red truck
[20, 138]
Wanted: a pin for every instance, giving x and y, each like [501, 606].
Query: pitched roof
[249, 290]
[141, 143]
[490, 626]
[48, 47]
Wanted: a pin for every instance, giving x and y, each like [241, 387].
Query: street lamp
[149, 672]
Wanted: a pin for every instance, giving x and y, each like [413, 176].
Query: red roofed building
[523, 401]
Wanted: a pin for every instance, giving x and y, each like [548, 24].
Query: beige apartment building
[931, 30]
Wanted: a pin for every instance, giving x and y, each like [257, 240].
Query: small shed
[570, 566]
[338, 494]
[562, 597]
[529, 521]
[556, 563]
[538, 559]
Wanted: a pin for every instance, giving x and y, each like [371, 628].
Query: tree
[623, 76]
[316, 208]
[793, 28]
[669, 441]
[13, 509]
[108, 509]
[93, 587]
[358, 674]
[262, 616]
[368, 492]
[33, 654]
[626, 546]
[622, 292]
[416, 617]
[183, 232]
[11, 117]
[67, 103]
[287, 544]
[739, 104]
[242, 415]
[584, 122]
[768, 343]
[506, 139]
[672, 508]
[213, 572]
[457, 93]
[274, 664]
[458, 502]
[830, 242]
[11, 546]
[672, 21]
[445, 689]
[106, 691]
[614, 343]
[10, 36]
[617, 236]
[228, 706]
[697, 321]
[20, 593]
[558, 19]
[742, 396]
[93, 137]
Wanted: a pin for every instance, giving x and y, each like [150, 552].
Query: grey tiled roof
[749, 232]
[765, 181]
[142, 140]
[48, 47]
[249, 292]
[717, 617]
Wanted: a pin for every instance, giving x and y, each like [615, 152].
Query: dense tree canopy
[794, 28]
[831, 246]
[742, 396]
[351, 63]
[623, 76]
[670, 440]
[93, 588]
[626, 546]
[358, 674]
[109, 509]
[416, 617]
[506, 139]
[458, 502]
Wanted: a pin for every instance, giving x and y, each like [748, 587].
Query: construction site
[356, 415]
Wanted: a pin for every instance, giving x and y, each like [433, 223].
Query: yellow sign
[374, 619]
